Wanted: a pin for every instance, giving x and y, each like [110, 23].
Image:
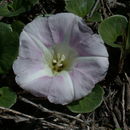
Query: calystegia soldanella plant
[64, 64]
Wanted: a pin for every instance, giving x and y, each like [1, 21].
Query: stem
[94, 8]
[122, 59]
[125, 47]
[123, 54]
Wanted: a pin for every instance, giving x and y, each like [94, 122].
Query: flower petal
[77, 34]
[28, 49]
[28, 70]
[61, 91]
[32, 67]
[87, 71]
[88, 44]
[62, 25]
[49, 86]
[40, 82]
[31, 47]
[39, 28]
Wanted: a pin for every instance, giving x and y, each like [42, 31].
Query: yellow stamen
[58, 63]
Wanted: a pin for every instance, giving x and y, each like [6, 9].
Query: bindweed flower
[60, 58]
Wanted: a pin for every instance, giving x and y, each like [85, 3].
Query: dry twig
[7, 113]
[123, 106]
[94, 8]
[127, 92]
[55, 113]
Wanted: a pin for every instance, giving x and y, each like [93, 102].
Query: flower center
[58, 62]
[60, 58]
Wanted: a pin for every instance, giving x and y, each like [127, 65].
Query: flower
[60, 58]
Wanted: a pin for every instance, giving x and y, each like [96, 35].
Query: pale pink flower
[60, 58]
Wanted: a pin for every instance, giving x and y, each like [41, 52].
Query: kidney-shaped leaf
[16, 7]
[17, 26]
[7, 97]
[88, 103]
[96, 17]
[111, 28]
[79, 7]
[5, 11]
[128, 39]
[8, 47]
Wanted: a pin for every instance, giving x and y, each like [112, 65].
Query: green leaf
[27, 4]
[79, 7]
[17, 26]
[5, 27]
[5, 11]
[88, 103]
[17, 4]
[16, 7]
[8, 47]
[118, 129]
[128, 38]
[95, 18]
[111, 28]
[7, 97]
[33, 2]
